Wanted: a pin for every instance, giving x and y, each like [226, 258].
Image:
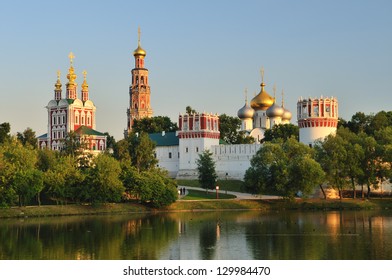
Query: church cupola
[57, 87]
[71, 85]
[139, 53]
[84, 87]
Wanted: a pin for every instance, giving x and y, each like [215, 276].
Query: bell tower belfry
[139, 90]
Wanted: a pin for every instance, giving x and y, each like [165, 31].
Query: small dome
[246, 112]
[262, 101]
[275, 111]
[139, 51]
[286, 115]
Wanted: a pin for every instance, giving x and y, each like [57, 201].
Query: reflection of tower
[139, 91]
[317, 118]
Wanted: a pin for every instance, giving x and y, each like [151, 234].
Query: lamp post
[217, 192]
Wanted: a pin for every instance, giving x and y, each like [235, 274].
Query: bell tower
[139, 90]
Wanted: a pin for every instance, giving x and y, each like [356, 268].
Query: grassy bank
[72, 209]
[199, 205]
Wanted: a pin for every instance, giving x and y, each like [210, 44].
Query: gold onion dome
[275, 111]
[246, 112]
[262, 101]
[71, 72]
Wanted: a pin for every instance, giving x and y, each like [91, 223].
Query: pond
[220, 235]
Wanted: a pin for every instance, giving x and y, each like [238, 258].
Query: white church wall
[168, 159]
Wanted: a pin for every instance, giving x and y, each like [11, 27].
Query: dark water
[201, 235]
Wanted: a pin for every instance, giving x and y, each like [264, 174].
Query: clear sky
[200, 53]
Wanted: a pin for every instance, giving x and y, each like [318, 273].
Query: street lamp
[217, 192]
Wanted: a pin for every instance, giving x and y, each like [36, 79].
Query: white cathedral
[178, 151]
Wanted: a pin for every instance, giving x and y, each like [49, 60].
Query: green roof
[168, 139]
[88, 131]
[70, 101]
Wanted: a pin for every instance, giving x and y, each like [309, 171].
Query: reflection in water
[201, 235]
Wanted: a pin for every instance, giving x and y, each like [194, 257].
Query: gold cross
[84, 74]
[58, 74]
[274, 89]
[262, 74]
[139, 35]
[71, 57]
[246, 95]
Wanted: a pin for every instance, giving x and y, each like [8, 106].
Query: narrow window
[170, 155]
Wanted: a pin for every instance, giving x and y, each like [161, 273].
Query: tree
[332, 156]
[121, 150]
[282, 131]
[190, 111]
[285, 168]
[5, 129]
[27, 184]
[359, 122]
[229, 128]
[103, 179]
[15, 159]
[27, 137]
[151, 187]
[110, 142]
[206, 169]
[154, 125]
[142, 151]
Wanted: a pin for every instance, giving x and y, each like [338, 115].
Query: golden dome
[262, 101]
[139, 51]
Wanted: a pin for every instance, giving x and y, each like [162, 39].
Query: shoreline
[198, 205]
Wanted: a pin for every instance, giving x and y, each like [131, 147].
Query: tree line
[360, 154]
[29, 175]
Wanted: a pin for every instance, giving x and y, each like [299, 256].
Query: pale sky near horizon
[199, 53]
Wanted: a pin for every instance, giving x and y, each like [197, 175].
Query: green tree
[282, 131]
[110, 142]
[103, 179]
[142, 151]
[15, 158]
[28, 137]
[206, 170]
[190, 111]
[5, 129]
[121, 150]
[359, 122]
[27, 184]
[332, 155]
[154, 124]
[229, 128]
[285, 168]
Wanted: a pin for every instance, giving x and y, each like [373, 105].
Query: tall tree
[5, 129]
[27, 137]
[206, 170]
[142, 151]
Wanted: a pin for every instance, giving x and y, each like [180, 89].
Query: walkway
[237, 194]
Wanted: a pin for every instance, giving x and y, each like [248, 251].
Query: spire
[84, 87]
[57, 87]
[139, 51]
[262, 79]
[274, 89]
[71, 72]
[246, 96]
[71, 85]
[282, 98]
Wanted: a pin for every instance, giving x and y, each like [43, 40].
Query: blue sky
[199, 53]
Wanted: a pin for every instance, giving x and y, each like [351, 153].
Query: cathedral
[69, 113]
